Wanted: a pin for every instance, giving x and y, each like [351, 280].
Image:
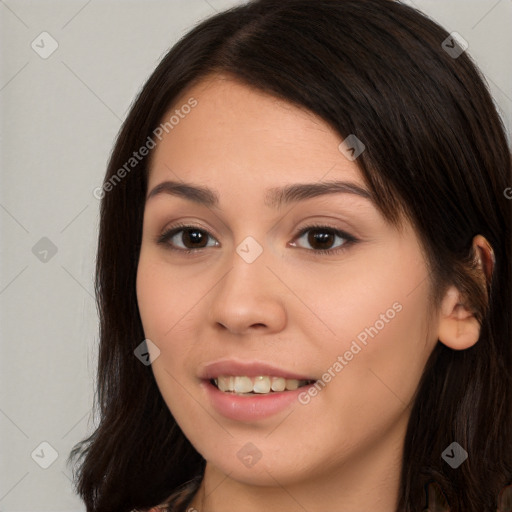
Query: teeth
[243, 385]
[260, 385]
[278, 384]
[226, 384]
[292, 384]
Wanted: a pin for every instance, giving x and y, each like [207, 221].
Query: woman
[303, 273]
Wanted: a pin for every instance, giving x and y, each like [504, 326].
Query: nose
[248, 297]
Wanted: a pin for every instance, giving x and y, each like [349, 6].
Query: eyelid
[168, 233]
[347, 237]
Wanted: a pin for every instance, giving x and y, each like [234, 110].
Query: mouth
[260, 385]
[250, 391]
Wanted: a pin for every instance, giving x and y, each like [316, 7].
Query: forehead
[235, 132]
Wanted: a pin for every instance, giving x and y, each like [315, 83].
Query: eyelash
[163, 239]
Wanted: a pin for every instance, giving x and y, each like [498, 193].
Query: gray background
[59, 117]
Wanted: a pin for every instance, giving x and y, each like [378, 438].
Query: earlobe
[458, 327]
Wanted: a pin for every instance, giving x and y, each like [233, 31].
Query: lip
[248, 408]
[233, 367]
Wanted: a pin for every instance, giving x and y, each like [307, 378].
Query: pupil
[194, 237]
[322, 237]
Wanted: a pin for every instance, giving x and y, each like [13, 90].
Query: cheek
[376, 298]
[368, 392]
[162, 299]
[384, 353]
[163, 304]
[377, 345]
[170, 317]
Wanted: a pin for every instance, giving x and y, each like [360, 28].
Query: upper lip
[232, 367]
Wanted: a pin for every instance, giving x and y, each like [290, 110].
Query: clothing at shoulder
[164, 507]
[158, 508]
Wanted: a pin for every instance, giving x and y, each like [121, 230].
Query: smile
[260, 385]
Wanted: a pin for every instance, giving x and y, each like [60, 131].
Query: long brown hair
[436, 151]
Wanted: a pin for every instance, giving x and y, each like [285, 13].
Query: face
[267, 288]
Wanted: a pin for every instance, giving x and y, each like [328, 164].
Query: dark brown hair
[436, 153]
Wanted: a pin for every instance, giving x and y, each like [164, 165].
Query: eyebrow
[274, 197]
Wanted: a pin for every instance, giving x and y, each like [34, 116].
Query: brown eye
[194, 237]
[186, 238]
[323, 239]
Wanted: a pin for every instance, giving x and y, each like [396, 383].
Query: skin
[291, 307]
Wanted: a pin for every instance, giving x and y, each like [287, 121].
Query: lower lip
[250, 408]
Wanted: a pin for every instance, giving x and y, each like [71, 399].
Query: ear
[484, 256]
[458, 328]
